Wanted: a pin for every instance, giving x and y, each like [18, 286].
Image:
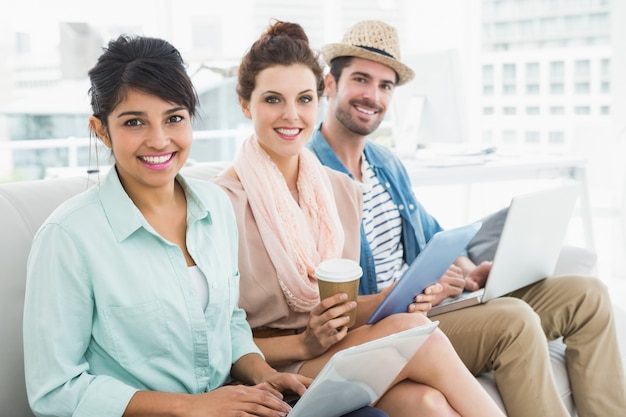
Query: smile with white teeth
[366, 111]
[288, 132]
[157, 159]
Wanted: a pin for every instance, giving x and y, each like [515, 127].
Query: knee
[399, 322]
[582, 292]
[591, 295]
[434, 403]
[409, 398]
[590, 287]
[514, 320]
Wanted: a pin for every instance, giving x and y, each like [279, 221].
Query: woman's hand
[327, 324]
[227, 401]
[278, 382]
[237, 401]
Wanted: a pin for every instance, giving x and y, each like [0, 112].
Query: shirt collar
[125, 218]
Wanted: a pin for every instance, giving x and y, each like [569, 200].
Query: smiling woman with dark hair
[132, 289]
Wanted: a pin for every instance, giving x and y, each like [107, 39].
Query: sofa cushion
[24, 206]
[572, 259]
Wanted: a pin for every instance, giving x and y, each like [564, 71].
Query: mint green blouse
[111, 308]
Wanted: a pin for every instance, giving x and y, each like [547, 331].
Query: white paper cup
[339, 275]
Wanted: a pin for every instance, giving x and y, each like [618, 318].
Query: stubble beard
[345, 118]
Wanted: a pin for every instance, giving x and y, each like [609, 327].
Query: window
[548, 24]
[605, 110]
[532, 137]
[503, 29]
[556, 110]
[605, 76]
[556, 137]
[575, 23]
[532, 89]
[605, 68]
[582, 88]
[488, 80]
[508, 72]
[509, 110]
[532, 110]
[488, 110]
[526, 26]
[532, 72]
[488, 74]
[509, 136]
[557, 71]
[509, 79]
[582, 69]
[599, 20]
[582, 110]
[557, 88]
[508, 89]
[23, 43]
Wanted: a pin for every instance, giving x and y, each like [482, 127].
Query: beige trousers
[508, 336]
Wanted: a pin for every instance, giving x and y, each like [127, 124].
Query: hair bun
[292, 30]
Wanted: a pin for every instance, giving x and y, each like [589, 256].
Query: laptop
[360, 375]
[426, 269]
[529, 246]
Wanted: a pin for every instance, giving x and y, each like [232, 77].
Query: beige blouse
[260, 293]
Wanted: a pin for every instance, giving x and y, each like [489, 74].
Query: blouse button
[401, 207]
[388, 185]
[411, 207]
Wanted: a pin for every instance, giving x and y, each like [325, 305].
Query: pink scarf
[297, 235]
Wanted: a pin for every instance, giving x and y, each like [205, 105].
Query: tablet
[431, 263]
[360, 375]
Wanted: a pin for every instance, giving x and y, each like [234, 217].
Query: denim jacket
[417, 225]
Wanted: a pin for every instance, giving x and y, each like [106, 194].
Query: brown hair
[282, 43]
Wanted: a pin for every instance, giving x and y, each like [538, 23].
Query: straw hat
[373, 40]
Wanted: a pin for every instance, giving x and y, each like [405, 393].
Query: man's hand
[477, 278]
[424, 301]
[453, 283]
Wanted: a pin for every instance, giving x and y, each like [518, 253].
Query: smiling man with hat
[507, 335]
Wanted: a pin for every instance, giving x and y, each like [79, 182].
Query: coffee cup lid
[338, 270]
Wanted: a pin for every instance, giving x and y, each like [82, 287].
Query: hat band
[377, 51]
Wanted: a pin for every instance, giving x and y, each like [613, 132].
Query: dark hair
[150, 65]
[283, 43]
[339, 63]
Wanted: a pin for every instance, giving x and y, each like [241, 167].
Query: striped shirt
[383, 228]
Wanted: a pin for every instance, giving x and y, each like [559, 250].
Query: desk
[441, 170]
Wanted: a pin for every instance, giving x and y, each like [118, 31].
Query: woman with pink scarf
[292, 213]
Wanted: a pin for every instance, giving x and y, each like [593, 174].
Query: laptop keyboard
[463, 296]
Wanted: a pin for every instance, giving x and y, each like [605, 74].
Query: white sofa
[23, 207]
